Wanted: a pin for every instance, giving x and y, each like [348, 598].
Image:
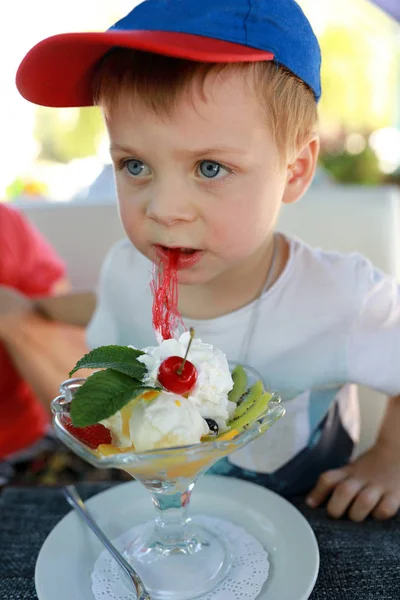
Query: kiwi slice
[249, 399]
[253, 412]
[239, 377]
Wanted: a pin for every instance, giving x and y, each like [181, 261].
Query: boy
[211, 112]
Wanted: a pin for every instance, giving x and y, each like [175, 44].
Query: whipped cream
[214, 379]
[170, 419]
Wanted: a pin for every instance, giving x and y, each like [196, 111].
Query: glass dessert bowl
[174, 556]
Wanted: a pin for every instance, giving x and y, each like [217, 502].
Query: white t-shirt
[329, 321]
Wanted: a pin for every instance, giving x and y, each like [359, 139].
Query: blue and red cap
[58, 70]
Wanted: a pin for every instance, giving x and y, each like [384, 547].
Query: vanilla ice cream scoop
[157, 420]
[167, 421]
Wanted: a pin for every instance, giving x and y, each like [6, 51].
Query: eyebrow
[212, 150]
[119, 148]
[191, 153]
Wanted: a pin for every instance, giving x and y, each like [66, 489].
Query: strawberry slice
[92, 436]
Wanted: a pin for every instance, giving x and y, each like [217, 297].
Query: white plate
[65, 562]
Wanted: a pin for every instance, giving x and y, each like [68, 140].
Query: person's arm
[61, 286]
[370, 485]
[44, 352]
[388, 436]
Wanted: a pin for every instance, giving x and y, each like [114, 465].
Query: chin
[193, 277]
[185, 277]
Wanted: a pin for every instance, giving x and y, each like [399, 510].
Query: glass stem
[172, 524]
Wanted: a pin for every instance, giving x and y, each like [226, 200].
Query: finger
[365, 502]
[343, 496]
[325, 484]
[387, 507]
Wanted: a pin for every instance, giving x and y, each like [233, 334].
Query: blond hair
[159, 81]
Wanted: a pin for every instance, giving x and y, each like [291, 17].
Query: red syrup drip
[164, 286]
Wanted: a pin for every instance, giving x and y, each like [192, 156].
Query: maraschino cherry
[178, 375]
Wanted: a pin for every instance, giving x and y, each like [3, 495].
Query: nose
[170, 203]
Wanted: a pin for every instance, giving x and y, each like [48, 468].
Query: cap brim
[57, 71]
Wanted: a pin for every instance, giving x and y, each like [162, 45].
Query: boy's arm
[43, 351]
[370, 484]
[389, 433]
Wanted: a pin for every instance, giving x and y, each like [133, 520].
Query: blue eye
[136, 167]
[212, 170]
[209, 168]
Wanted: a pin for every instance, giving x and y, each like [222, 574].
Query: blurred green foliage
[68, 133]
[362, 168]
[358, 83]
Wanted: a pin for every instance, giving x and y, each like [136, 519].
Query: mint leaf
[119, 358]
[102, 395]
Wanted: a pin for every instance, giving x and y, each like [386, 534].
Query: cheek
[241, 225]
[131, 214]
[240, 237]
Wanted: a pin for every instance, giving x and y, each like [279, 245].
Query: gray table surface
[358, 561]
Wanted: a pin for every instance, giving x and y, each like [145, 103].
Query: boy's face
[207, 178]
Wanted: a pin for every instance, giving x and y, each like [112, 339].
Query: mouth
[186, 257]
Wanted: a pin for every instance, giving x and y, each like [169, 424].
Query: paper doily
[244, 581]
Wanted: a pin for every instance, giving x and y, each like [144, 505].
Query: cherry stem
[180, 370]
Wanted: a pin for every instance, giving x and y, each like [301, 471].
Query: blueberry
[212, 425]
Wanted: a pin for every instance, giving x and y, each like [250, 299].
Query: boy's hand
[369, 485]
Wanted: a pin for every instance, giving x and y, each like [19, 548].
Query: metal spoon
[73, 498]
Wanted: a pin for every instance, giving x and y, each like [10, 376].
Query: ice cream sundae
[178, 393]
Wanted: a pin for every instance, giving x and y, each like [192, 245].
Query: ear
[300, 173]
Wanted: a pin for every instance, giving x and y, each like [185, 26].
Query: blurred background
[62, 154]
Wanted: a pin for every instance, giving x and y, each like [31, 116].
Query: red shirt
[30, 265]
